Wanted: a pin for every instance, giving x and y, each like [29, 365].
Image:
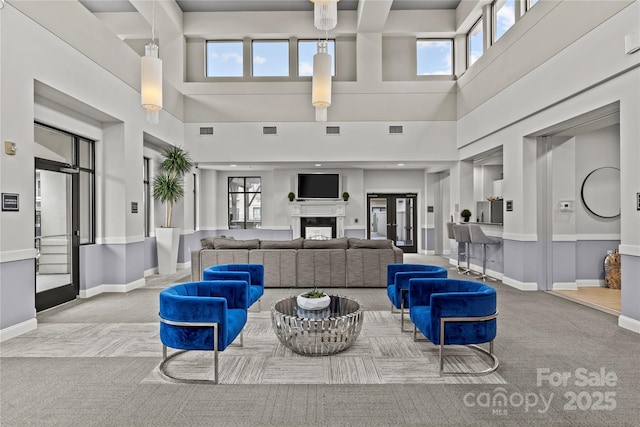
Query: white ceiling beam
[372, 15]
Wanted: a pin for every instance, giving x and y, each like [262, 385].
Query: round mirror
[601, 192]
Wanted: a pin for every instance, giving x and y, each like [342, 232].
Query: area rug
[381, 355]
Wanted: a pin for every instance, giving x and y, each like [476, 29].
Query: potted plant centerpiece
[168, 188]
[315, 299]
[465, 214]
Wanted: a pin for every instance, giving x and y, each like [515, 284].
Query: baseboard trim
[18, 329]
[590, 283]
[523, 286]
[151, 272]
[565, 286]
[632, 325]
[122, 288]
[182, 265]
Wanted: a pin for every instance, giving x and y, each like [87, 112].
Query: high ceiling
[99, 6]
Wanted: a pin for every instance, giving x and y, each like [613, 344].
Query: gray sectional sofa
[341, 262]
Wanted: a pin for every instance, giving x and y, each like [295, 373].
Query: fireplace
[320, 218]
[318, 228]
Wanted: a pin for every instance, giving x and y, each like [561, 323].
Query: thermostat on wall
[566, 206]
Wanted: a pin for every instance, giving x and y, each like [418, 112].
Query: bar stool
[452, 236]
[461, 234]
[478, 237]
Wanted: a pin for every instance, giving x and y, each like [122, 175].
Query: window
[434, 57]
[306, 50]
[224, 59]
[530, 3]
[75, 153]
[270, 58]
[245, 202]
[474, 43]
[87, 186]
[504, 16]
[146, 196]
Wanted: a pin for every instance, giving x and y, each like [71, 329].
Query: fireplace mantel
[318, 208]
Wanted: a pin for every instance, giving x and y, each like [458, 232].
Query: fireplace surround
[320, 215]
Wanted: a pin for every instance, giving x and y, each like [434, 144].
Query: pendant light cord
[153, 22]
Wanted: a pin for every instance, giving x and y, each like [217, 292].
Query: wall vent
[205, 131]
[269, 130]
[333, 130]
[396, 130]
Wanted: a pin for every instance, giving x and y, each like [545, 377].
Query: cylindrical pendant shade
[151, 79]
[321, 83]
[321, 89]
[325, 14]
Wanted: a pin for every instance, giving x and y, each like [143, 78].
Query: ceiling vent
[396, 130]
[206, 131]
[333, 130]
[269, 130]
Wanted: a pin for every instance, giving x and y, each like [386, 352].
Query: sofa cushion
[236, 244]
[281, 244]
[339, 243]
[370, 244]
[209, 242]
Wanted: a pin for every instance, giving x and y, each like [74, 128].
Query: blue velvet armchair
[251, 273]
[451, 311]
[202, 316]
[398, 276]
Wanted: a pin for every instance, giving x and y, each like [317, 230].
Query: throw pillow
[281, 244]
[370, 244]
[339, 243]
[236, 244]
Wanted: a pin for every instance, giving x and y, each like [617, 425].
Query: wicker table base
[319, 333]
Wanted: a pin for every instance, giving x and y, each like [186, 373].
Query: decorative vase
[466, 219]
[313, 303]
[167, 243]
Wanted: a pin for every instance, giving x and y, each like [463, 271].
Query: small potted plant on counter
[465, 214]
[345, 196]
[291, 196]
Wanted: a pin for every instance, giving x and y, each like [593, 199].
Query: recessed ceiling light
[318, 165]
[400, 164]
[233, 166]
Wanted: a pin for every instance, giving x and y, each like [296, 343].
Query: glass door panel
[393, 216]
[54, 239]
[404, 227]
[378, 218]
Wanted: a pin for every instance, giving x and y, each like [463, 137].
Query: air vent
[206, 131]
[333, 130]
[269, 130]
[396, 130]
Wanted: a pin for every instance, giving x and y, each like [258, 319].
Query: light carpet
[381, 355]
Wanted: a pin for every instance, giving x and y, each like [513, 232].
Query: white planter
[313, 303]
[167, 242]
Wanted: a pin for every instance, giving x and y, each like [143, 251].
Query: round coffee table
[317, 333]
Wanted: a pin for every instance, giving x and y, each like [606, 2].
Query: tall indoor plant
[168, 188]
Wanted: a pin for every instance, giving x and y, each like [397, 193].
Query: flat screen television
[318, 185]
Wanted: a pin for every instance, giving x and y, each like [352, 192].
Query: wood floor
[604, 299]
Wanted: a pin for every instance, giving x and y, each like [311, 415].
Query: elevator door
[393, 216]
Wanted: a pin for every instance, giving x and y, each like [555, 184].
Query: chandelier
[325, 14]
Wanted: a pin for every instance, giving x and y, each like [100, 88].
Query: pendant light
[151, 77]
[325, 14]
[321, 82]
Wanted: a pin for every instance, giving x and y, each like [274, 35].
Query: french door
[394, 217]
[57, 234]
